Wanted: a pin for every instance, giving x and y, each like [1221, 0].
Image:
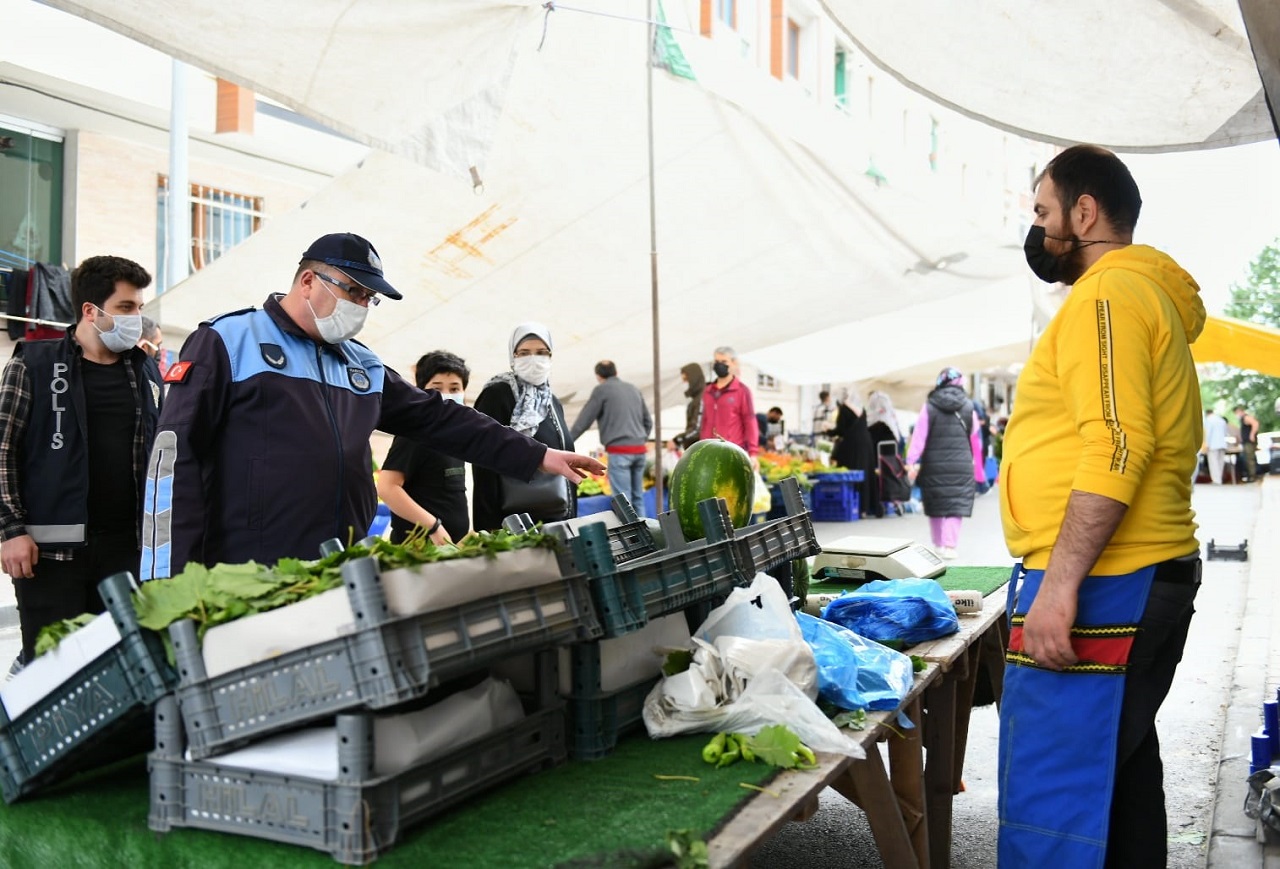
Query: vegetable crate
[385, 661]
[355, 818]
[596, 721]
[627, 595]
[758, 548]
[629, 540]
[90, 717]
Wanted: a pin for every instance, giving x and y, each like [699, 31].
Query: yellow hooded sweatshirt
[1109, 404]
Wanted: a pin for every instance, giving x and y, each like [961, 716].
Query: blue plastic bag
[887, 610]
[854, 672]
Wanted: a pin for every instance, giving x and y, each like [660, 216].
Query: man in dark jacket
[263, 448]
[695, 382]
[77, 419]
[625, 422]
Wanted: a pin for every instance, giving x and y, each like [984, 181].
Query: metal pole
[178, 213]
[653, 275]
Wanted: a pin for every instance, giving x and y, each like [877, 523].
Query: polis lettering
[57, 389]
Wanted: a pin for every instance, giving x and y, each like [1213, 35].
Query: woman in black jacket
[522, 398]
[695, 383]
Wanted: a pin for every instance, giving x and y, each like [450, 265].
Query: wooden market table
[908, 805]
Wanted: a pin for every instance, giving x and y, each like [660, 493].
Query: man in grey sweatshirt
[625, 422]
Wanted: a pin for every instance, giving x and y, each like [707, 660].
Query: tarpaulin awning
[1235, 342]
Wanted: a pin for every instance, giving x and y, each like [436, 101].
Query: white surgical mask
[124, 333]
[532, 369]
[343, 324]
[455, 397]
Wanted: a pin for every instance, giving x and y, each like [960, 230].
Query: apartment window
[841, 79]
[767, 382]
[727, 11]
[30, 195]
[220, 220]
[793, 49]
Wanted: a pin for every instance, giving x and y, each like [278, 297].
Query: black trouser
[1139, 828]
[65, 589]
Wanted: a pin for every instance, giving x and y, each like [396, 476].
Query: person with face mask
[728, 407]
[78, 416]
[424, 487]
[263, 448]
[1095, 498]
[522, 399]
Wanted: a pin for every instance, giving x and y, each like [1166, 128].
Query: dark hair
[606, 369]
[1088, 170]
[776, 410]
[440, 362]
[1241, 407]
[94, 280]
[823, 395]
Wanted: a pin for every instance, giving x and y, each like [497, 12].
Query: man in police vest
[77, 419]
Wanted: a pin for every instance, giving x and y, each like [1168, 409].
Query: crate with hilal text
[340, 794]
[760, 548]
[374, 657]
[86, 702]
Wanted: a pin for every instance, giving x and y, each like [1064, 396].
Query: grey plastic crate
[94, 716]
[356, 818]
[758, 548]
[384, 662]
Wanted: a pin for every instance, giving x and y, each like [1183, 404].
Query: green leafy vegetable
[677, 661]
[689, 850]
[51, 635]
[776, 745]
[918, 664]
[854, 720]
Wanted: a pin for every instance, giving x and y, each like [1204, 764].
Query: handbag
[544, 497]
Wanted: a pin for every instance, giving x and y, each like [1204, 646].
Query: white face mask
[124, 333]
[532, 369]
[455, 397]
[344, 323]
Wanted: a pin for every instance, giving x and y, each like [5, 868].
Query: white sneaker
[949, 553]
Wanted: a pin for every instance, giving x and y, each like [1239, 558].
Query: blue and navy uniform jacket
[263, 451]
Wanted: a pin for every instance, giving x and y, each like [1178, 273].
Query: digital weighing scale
[863, 559]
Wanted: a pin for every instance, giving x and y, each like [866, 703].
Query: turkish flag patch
[177, 372]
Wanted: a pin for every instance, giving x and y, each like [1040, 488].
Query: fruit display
[776, 467]
[712, 469]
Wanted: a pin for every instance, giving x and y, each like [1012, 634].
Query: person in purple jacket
[945, 459]
[262, 451]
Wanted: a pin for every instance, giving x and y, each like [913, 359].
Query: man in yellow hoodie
[1096, 502]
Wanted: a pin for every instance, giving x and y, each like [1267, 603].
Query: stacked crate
[835, 496]
[385, 662]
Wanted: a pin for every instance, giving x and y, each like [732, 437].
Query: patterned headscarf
[950, 376]
[533, 403]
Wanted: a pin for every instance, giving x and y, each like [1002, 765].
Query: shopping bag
[763, 501]
[896, 610]
[854, 672]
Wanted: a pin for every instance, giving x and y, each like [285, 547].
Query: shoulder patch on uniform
[177, 372]
[273, 355]
[248, 310]
[359, 379]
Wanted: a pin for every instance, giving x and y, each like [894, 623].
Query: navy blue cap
[355, 256]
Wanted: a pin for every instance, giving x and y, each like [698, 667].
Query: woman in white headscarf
[521, 398]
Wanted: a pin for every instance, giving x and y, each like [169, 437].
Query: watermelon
[712, 469]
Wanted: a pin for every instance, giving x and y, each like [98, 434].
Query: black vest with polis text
[55, 469]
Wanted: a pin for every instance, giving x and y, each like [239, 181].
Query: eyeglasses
[522, 354]
[355, 291]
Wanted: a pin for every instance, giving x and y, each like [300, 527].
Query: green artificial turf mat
[982, 579]
[583, 808]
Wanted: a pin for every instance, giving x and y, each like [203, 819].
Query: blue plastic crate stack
[835, 496]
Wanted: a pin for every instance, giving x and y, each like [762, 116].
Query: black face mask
[1046, 266]
[721, 369]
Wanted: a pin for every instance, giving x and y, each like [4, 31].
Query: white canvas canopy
[763, 232]
[1137, 75]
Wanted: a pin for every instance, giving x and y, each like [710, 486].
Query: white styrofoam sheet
[35, 681]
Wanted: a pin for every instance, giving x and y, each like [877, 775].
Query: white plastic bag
[763, 500]
[751, 668]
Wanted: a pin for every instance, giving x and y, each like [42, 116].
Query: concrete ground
[1232, 658]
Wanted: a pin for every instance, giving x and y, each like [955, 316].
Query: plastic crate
[595, 722]
[627, 541]
[356, 818]
[759, 548]
[383, 662]
[844, 508]
[94, 716]
[838, 476]
[627, 595]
